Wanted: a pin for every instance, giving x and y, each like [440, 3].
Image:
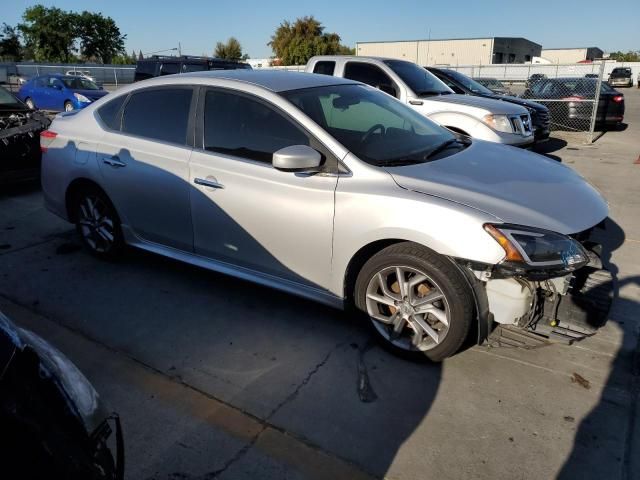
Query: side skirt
[316, 294]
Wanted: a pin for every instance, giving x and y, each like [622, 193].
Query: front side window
[169, 68]
[160, 114]
[376, 128]
[371, 75]
[238, 125]
[418, 79]
[324, 68]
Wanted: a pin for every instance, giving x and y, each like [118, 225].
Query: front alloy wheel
[408, 308]
[418, 302]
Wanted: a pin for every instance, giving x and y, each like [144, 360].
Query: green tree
[231, 50]
[10, 48]
[99, 36]
[295, 43]
[49, 33]
[630, 56]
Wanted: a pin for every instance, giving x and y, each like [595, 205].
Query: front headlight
[81, 97]
[500, 123]
[540, 249]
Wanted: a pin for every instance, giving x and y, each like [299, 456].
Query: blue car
[59, 92]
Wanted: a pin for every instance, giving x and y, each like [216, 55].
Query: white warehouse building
[571, 55]
[455, 51]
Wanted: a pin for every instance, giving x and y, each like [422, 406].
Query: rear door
[144, 164]
[247, 213]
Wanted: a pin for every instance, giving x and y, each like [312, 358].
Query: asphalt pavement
[219, 378]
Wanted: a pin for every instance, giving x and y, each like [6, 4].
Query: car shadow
[296, 364]
[592, 457]
[552, 145]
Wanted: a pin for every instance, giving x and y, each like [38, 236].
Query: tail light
[618, 98]
[46, 137]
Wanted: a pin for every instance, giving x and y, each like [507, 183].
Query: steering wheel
[368, 133]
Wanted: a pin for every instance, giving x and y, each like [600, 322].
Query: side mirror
[297, 158]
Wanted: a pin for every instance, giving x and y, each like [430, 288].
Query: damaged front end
[53, 423]
[20, 128]
[548, 286]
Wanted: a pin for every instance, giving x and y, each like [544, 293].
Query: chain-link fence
[578, 97]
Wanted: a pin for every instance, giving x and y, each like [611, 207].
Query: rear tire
[30, 104]
[428, 313]
[97, 223]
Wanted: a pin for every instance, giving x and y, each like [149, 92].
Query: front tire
[418, 302]
[98, 224]
[68, 106]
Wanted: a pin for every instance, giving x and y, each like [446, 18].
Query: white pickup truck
[478, 117]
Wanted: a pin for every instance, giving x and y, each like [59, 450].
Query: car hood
[513, 185]
[480, 102]
[92, 94]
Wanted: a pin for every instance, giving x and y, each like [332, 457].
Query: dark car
[568, 99]
[53, 422]
[621, 77]
[20, 129]
[495, 85]
[158, 65]
[459, 83]
[60, 92]
[535, 78]
[591, 75]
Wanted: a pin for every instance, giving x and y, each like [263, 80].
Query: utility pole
[428, 47]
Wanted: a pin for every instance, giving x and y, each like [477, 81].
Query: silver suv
[479, 117]
[332, 190]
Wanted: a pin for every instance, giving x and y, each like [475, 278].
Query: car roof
[274, 80]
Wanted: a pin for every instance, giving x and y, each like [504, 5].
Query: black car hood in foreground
[80, 395]
[513, 185]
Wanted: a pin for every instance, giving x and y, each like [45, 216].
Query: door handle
[212, 183]
[114, 161]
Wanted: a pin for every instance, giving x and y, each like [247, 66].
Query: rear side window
[111, 113]
[365, 73]
[161, 114]
[240, 126]
[324, 68]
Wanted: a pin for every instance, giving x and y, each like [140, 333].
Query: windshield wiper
[444, 145]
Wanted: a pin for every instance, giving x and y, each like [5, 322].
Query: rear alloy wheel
[417, 301]
[30, 104]
[98, 224]
[68, 106]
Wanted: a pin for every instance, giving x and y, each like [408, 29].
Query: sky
[198, 24]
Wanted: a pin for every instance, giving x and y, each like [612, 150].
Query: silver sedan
[329, 189]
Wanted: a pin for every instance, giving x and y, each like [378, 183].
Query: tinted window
[146, 67]
[110, 113]
[238, 125]
[194, 67]
[324, 68]
[369, 74]
[41, 82]
[417, 78]
[376, 128]
[470, 83]
[161, 114]
[169, 68]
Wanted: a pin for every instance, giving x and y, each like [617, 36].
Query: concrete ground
[219, 378]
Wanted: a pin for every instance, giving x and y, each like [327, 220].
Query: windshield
[491, 82]
[417, 78]
[372, 125]
[79, 83]
[6, 98]
[468, 82]
[621, 72]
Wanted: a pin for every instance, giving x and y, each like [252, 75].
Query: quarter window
[237, 125]
[161, 114]
[110, 114]
[169, 68]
